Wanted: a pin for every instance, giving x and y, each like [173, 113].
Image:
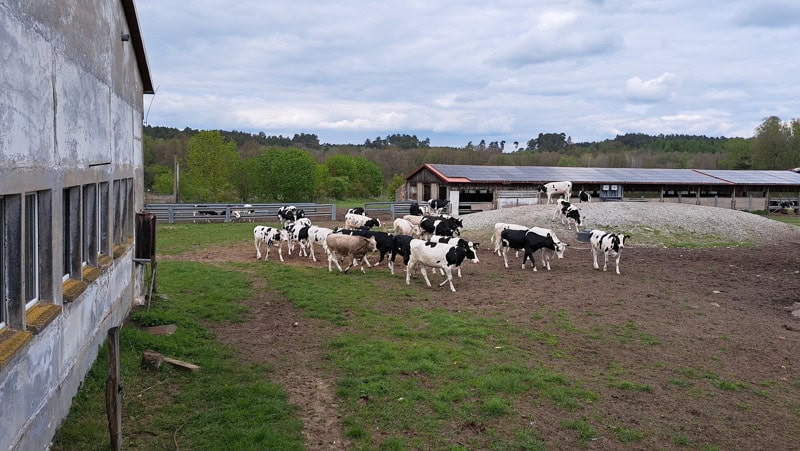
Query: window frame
[3, 284]
[72, 232]
[31, 227]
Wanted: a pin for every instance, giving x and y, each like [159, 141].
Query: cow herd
[424, 241]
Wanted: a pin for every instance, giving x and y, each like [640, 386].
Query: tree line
[235, 166]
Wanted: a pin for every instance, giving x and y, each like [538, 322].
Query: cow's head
[560, 248]
[373, 245]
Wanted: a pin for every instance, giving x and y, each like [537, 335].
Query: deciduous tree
[211, 160]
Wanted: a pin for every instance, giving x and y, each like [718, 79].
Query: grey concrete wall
[71, 110]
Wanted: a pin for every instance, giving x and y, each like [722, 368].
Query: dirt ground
[722, 310]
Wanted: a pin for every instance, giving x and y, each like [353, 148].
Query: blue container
[583, 236]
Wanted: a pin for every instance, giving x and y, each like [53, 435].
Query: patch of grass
[629, 385]
[680, 382]
[584, 430]
[626, 435]
[681, 440]
[613, 381]
[788, 219]
[743, 405]
[496, 407]
[195, 410]
[730, 385]
[176, 239]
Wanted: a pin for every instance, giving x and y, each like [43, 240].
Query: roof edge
[138, 45]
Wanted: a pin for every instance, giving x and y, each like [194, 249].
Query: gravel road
[649, 223]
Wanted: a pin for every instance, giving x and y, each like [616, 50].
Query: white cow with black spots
[610, 244]
[426, 254]
[272, 237]
[551, 188]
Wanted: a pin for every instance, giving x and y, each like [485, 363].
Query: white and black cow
[298, 233]
[340, 246]
[498, 229]
[243, 212]
[584, 196]
[469, 245]
[438, 205]
[289, 214]
[206, 212]
[610, 244]
[440, 225]
[317, 235]
[355, 211]
[561, 209]
[551, 188]
[525, 240]
[572, 216]
[558, 251]
[415, 209]
[427, 254]
[356, 221]
[272, 237]
[401, 244]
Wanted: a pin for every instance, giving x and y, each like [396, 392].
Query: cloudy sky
[461, 71]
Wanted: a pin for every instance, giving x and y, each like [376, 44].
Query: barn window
[123, 210]
[102, 218]
[71, 228]
[31, 237]
[11, 271]
[89, 222]
[3, 297]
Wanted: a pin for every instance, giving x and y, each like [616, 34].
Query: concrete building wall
[71, 111]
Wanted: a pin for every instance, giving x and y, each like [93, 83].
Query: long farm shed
[475, 188]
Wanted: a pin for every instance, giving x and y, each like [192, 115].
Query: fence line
[173, 213]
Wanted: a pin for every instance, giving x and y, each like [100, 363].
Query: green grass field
[407, 372]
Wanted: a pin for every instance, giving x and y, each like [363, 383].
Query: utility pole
[175, 183]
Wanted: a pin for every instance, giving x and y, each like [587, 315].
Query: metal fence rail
[173, 213]
[395, 209]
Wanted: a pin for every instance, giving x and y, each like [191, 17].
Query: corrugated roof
[541, 174]
[755, 177]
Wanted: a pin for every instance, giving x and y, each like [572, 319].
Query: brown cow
[349, 246]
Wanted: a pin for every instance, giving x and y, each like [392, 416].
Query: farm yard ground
[688, 348]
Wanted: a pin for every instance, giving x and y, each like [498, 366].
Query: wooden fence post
[113, 389]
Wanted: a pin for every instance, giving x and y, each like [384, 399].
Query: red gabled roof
[438, 174]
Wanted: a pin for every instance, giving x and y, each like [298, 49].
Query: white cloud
[656, 89]
[470, 70]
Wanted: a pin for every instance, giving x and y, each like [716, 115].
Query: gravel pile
[652, 223]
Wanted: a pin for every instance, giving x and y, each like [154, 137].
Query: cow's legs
[605, 260]
[408, 273]
[257, 243]
[424, 271]
[449, 273]
[335, 258]
[505, 259]
[594, 256]
[529, 254]
[617, 262]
